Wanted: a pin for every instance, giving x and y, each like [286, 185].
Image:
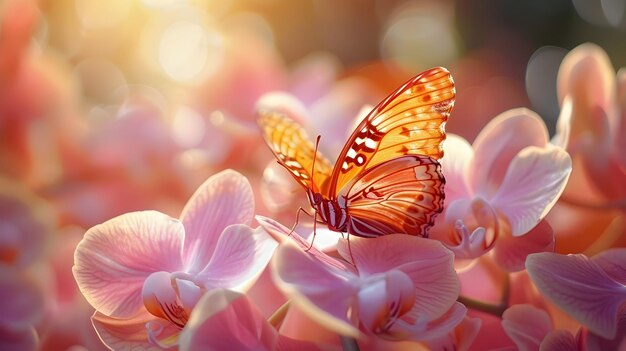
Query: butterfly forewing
[410, 121]
[294, 150]
[402, 195]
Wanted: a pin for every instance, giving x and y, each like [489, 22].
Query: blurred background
[98, 95]
[122, 105]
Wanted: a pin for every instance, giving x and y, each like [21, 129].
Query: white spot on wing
[377, 120]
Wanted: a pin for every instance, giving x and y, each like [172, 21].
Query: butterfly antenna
[317, 144]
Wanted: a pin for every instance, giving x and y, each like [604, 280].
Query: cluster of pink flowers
[98, 248]
[487, 277]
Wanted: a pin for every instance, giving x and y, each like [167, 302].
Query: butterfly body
[387, 178]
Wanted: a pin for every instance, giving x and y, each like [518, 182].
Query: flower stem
[496, 310]
[276, 319]
[493, 309]
[348, 343]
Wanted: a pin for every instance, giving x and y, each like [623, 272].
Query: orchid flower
[591, 290]
[500, 188]
[396, 287]
[144, 272]
[592, 123]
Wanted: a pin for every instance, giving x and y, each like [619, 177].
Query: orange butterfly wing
[410, 121]
[294, 150]
[402, 195]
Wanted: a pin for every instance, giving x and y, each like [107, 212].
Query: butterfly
[387, 178]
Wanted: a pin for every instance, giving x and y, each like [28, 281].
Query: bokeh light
[95, 14]
[420, 34]
[541, 74]
[185, 49]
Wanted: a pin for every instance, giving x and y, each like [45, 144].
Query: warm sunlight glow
[185, 49]
[94, 14]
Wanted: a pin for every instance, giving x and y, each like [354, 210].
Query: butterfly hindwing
[294, 150]
[410, 121]
[402, 195]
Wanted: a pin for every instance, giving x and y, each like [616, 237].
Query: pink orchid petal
[226, 320]
[425, 329]
[607, 175]
[427, 262]
[595, 342]
[284, 103]
[533, 183]
[461, 338]
[526, 325]
[132, 333]
[298, 325]
[289, 344]
[458, 209]
[278, 189]
[580, 287]
[458, 155]
[613, 263]
[564, 125]
[559, 340]
[225, 198]
[323, 292]
[465, 333]
[383, 299]
[240, 256]
[323, 239]
[281, 234]
[21, 301]
[188, 292]
[161, 298]
[511, 251]
[114, 258]
[21, 340]
[499, 142]
[587, 75]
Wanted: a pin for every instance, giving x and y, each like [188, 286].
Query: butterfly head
[332, 212]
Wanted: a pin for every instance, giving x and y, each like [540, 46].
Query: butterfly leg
[352, 261]
[314, 232]
[300, 210]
